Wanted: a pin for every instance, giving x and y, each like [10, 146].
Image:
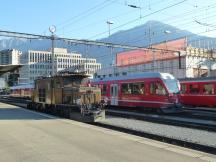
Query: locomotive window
[208, 89]
[58, 84]
[194, 88]
[42, 95]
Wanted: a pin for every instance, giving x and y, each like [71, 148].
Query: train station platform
[31, 136]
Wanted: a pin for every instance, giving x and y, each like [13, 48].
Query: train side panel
[138, 92]
[198, 93]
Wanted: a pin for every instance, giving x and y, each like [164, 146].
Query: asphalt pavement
[31, 136]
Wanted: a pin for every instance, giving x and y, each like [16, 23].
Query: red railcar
[146, 90]
[198, 91]
[22, 91]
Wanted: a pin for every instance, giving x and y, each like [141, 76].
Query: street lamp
[109, 23]
[52, 29]
[136, 7]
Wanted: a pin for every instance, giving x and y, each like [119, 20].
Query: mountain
[150, 32]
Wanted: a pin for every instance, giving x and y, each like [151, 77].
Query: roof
[22, 86]
[8, 68]
[136, 76]
[201, 79]
[65, 75]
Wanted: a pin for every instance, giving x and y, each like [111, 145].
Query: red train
[198, 91]
[145, 90]
[22, 91]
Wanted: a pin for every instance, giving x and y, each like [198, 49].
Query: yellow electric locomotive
[68, 95]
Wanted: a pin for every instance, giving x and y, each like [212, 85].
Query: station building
[39, 63]
[175, 57]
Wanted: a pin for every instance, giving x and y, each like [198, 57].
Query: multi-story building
[174, 57]
[39, 63]
[9, 57]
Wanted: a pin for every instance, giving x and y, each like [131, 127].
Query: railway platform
[31, 136]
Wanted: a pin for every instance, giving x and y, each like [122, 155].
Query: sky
[86, 19]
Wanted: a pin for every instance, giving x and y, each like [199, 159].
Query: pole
[52, 29]
[109, 28]
[53, 57]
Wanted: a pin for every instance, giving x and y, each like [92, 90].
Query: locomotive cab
[173, 94]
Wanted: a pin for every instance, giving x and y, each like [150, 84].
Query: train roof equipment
[163, 76]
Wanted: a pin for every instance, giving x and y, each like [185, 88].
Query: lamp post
[109, 23]
[111, 49]
[52, 29]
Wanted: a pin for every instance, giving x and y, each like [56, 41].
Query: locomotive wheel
[33, 107]
[29, 106]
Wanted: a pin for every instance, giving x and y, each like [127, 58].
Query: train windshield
[172, 85]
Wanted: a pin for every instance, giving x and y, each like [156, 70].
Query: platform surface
[30, 136]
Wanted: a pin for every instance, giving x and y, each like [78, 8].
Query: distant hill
[152, 31]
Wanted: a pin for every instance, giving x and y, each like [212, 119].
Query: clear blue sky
[85, 19]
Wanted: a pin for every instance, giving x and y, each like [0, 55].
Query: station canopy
[9, 68]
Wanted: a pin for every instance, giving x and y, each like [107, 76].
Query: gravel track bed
[175, 132]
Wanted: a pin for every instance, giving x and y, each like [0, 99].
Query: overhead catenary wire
[96, 22]
[76, 41]
[85, 14]
[134, 20]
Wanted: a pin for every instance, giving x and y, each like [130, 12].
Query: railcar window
[208, 89]
[160, 90]
[104, 89]
[133, 88]
[124, 88]
[111, 90]
[151, 88]
[194, 89]
[183, 88]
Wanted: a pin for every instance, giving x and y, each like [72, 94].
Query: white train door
[114, 94]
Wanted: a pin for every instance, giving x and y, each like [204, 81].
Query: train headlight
[78, 101]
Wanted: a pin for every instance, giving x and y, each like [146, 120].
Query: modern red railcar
[146, 90]
[198, 91]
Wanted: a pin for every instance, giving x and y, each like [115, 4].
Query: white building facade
[39, 63]
[10, 57]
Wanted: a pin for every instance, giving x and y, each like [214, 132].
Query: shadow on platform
[20, 114]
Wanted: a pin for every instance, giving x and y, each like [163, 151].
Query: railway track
[208, 125]
[151, 118]
[189, 118]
